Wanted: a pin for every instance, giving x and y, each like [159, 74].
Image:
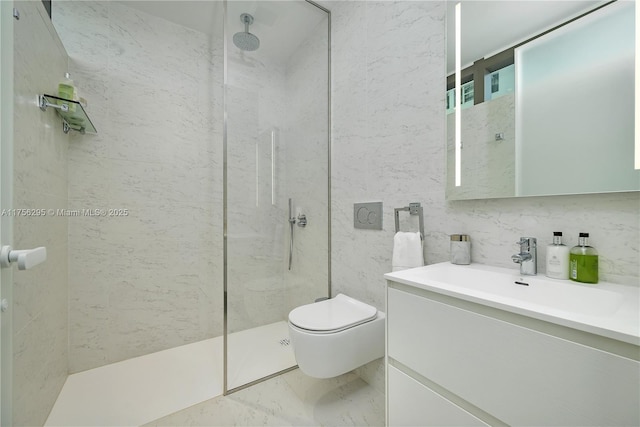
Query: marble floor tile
[291, 399]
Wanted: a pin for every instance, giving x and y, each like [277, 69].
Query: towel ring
[413, 209]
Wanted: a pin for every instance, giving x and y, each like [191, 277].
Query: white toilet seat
[332, 315]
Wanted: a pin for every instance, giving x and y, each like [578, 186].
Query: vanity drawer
[518, 375]
[414, 404]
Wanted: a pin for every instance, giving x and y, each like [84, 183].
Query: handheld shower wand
[292, 221]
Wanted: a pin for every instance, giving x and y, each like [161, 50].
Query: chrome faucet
[527, 258]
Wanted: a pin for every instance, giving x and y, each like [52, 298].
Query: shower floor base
[258, 352]
[139, 390]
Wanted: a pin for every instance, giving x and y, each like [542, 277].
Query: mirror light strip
[458, 99]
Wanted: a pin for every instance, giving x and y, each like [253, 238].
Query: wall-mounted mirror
[546, 98]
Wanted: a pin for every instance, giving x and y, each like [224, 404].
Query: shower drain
[285, 342]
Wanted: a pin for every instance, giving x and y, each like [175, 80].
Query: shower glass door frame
[227, 45]
[6, 224]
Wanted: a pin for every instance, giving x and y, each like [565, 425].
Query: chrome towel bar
[413, 209]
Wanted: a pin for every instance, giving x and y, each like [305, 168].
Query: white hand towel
[407, 251]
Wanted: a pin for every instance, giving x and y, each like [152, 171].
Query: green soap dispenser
[583, 261]
[67, 90]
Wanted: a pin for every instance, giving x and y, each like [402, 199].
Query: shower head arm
[247, 20]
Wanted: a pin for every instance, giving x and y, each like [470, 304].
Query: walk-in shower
[210, 122]
[276, 174]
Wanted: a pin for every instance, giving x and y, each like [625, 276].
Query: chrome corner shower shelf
[73, 115]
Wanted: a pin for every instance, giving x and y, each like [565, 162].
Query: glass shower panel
[277, 133]
[149, 280]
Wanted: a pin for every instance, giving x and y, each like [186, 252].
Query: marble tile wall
[152, 279]
[40, 326]
[388, 139]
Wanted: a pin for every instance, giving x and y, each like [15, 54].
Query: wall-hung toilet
[335, 336]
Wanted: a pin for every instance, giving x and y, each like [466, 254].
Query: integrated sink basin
[549, 293]
[605, 309]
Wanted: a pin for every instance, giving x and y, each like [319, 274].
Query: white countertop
[605, 309]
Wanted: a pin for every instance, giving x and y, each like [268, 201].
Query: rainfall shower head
[244, 39]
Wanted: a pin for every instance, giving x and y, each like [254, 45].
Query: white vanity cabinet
[455, 362]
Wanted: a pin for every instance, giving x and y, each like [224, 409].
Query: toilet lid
[335, 314]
